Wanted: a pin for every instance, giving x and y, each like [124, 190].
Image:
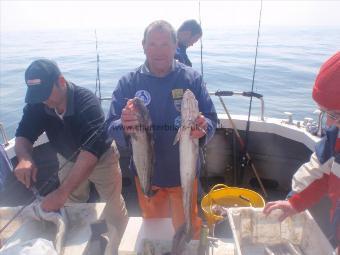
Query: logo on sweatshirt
[177, 95]
[144, 96]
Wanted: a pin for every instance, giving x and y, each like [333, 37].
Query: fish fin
[180, 240]
[178, 136]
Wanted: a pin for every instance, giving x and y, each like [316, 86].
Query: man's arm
[26, 170]
[309, 184]
[28, 131]
[94, 144]
[81, 170]
[208, 111]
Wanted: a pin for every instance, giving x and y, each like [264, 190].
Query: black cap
[40, 77]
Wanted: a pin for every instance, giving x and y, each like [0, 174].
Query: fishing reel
[244, 161]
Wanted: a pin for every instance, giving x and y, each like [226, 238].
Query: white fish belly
[142, 159]
[188, 164]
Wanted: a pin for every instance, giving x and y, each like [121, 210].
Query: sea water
[287, 63]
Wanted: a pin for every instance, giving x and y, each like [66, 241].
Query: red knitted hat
[326, 90]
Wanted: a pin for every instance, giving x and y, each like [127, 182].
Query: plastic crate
[255, 234]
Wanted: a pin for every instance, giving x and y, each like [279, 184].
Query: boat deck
[266, 159]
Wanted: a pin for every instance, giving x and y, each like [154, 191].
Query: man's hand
[284, 205]
[54, 200]
[81, 170]
[26, 171]
[201, 126]
[129, 118]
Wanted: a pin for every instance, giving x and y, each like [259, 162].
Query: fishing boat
[277, 147]
[254, 152]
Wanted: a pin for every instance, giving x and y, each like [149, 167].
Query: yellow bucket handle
[223, 186]
[217, 186]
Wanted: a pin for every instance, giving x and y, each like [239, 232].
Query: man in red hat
[321, 175]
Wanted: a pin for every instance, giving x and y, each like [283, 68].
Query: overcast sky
[37, 15]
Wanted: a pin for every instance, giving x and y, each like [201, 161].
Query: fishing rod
[88, 142]
[201, 41]
[239, 138]
[245, 159]
[98, 84]
[11, 185]
[204, 154]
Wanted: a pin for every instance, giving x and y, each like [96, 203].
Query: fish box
[255, 233]
[154, 236]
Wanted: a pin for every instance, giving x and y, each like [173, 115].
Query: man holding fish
[152, 108]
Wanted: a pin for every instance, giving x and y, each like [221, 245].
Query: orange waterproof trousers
[167, 202]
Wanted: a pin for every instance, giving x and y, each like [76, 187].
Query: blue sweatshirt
[162, 96]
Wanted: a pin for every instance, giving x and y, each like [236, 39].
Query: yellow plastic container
[226, 196]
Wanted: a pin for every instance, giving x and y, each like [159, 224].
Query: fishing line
[88, 142]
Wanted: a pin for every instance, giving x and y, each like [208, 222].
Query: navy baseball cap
[40, 77]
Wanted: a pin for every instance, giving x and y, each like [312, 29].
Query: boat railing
[220, 94]
[228, 93]
[3, 134]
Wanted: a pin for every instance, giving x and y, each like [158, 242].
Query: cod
[188, 156]
[143, 148]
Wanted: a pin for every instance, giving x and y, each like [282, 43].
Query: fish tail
[180, 240]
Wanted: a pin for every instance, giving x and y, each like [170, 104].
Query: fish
[143, 154]
[188, 156]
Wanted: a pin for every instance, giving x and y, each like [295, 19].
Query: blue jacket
[181, 55]
[162, 96]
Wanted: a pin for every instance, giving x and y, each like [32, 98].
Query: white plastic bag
[37, 246]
